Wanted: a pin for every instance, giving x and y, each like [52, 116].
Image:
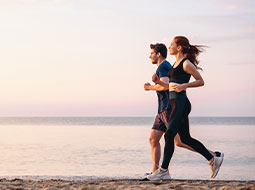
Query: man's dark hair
[160, 48]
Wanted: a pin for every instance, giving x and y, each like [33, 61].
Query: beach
[19, 184]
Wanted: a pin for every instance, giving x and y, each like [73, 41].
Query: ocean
[95, 148]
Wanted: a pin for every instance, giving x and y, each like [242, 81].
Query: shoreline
[123, 184]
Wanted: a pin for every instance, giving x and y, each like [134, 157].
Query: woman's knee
[169, 135]
[185, 140]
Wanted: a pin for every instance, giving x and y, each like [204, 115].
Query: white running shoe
[221, 154]
[215, 166]
[159, 174]
[146, 174]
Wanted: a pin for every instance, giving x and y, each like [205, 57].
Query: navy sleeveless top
[178, 75]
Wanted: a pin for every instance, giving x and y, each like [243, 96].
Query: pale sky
[91, 58]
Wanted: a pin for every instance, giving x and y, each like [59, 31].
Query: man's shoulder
[165, 65]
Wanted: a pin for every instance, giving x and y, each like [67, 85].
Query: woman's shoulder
[187, 63]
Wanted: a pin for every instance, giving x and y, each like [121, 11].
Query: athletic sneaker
[219, 154]
[159, 174]
[215, 165]
[147, 173]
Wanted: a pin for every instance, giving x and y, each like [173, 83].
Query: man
[158, 56]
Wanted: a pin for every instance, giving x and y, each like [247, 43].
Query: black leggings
[179, 123]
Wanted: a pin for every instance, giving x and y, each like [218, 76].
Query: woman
[185, 66]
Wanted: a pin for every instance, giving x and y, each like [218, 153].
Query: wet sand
[18, 184]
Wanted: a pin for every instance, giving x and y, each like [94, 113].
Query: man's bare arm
[157, 87]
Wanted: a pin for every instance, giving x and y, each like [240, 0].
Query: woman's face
[173, 48]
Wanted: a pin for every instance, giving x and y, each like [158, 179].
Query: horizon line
[103, 116]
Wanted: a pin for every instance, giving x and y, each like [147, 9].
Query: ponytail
[189, 51]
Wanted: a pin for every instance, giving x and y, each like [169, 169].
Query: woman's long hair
[189, 51]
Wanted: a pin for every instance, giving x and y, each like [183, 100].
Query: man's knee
[155, 137]
[153, 140]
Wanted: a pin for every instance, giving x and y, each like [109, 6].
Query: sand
[18, 184]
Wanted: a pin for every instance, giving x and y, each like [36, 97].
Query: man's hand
[155, 78]
[147, 86]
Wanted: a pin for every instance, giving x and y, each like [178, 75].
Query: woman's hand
[155, 78]
[179, 87]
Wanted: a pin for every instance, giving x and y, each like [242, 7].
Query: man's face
[153, 57]
[173, 48]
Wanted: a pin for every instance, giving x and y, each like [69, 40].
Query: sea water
[95, 148]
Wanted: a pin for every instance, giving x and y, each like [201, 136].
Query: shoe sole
[167, 178]
[163, 178]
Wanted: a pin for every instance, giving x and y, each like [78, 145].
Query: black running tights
[179, 123]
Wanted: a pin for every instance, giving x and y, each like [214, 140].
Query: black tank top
[178, 75]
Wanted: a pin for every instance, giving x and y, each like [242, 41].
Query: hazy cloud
[231, 6]
[228, 38]
[241, 63]
[35, 4]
